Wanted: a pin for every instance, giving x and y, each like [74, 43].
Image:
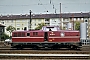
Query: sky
[42, 6]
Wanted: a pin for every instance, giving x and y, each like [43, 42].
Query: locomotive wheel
[35, 47]
[71, 47]
[54, 48]
[75, 47]
[19, 48]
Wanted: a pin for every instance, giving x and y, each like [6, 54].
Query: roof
[63, 15]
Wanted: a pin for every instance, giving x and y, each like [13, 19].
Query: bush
[4, 36]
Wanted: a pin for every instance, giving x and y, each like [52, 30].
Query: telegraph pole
[73, 20]
[60, 17]
[60, 8]
[30, 19]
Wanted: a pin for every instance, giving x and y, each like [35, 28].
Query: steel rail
[57, 55]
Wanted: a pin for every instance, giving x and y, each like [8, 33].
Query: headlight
[62, 34]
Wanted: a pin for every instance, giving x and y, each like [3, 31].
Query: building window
[2, 22]
[35, 24]
[11, 24]
[18, 24]
[85, 20]
[22, 28]
[78, 19]
[81, 18]
[74, 19]
[38, 20]
[46, 19]
[12, 21]
[18, 28]
[18, 20]
[25, 28]
[7, 21]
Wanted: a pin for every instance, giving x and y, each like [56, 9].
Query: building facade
[20, 22]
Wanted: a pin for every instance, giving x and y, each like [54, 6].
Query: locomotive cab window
[28, 34]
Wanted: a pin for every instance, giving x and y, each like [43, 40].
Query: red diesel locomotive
[48, 37]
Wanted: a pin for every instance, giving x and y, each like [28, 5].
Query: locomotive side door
[45, 36]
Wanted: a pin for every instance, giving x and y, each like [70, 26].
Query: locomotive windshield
[50, 28]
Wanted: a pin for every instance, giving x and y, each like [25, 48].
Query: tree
[4, 36]
[39, 26]
[77, 26]
[10, 29]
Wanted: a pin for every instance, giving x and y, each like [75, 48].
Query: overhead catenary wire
[43, 6]
[51, 2]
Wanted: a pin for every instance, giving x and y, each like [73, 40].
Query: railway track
[46, 51]
[45, 56]
[84, 48]
[43, 52]
[8, 50]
